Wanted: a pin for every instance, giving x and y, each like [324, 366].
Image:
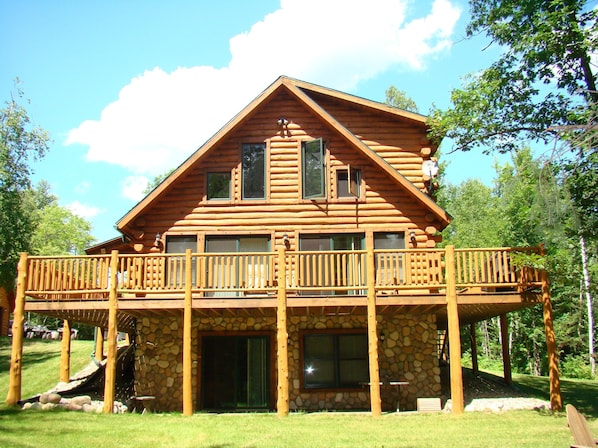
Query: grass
[71, 429]
[41, 363]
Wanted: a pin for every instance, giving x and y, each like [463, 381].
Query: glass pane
[389, 240]
[218, 185]
[353, 346]
[344, 187]
[313, 169]
[257, 372]
[353, 372]
[254, 163]
[175, 266]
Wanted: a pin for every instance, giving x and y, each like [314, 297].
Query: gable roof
[300, 89]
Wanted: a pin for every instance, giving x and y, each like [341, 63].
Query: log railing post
[16, 358]
[375, 399]
[282, 336]
[65, 352]
[110, 370]
[187, 339]
[454, 335]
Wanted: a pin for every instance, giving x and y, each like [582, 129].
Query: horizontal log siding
[184, 208]
[398, 142]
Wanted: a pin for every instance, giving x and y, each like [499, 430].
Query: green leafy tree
[20, 143]
[399, 99]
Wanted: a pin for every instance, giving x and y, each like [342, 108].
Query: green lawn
[71, 429]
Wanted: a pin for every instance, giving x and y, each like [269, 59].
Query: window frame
[359, 183]
[230, 185]
[336, 335]
[323, 193]
[264, 147]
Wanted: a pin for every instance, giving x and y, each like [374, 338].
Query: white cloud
[84, 210]
[160, 118]
[82, 187]
[133, 187]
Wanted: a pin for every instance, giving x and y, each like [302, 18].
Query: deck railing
[255, 274]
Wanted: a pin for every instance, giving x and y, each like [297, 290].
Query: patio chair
[579, 429]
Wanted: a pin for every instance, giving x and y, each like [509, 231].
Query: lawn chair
[579, 429]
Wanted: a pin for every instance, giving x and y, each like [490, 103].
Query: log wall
[184, 209]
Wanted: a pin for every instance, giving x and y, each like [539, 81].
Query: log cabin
[290, 263]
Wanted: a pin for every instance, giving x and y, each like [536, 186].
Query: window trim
[336, 333]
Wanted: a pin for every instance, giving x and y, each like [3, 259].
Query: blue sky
[129, 89]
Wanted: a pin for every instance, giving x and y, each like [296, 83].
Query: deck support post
[282, 337]
[99, 349]
[454, 335]
[375, 399]
[16, 357]
[556, 401]
[506, 353]
[65, 352]
[187, 322]
[474, 349]
[110, 370]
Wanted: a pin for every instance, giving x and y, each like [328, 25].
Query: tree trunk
[588, 297]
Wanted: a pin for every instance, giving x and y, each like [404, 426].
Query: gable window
[312, 161]
[254, 170]
[348, 183]
[335, 360]
[218, 185]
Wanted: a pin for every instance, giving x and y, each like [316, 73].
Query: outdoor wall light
[412, 237]
[282, 122]
[286, 241]
[158, 240]
[382, 336]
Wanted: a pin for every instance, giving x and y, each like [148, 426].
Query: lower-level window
[335, 360]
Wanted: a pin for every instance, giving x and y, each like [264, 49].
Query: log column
[506, 354]
[282, 337]
[187, 321]
[99, 350]
[110, 370]
[376, 401]
[474, 349]
[65, 352]
[454, 335]
[16, 357]
[556, 400]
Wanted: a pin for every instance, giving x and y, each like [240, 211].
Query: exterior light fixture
[412, 237]
[282, 122]
[158, 240]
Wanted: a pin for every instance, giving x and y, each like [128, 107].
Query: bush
[576, 366]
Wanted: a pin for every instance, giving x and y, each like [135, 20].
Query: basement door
[235, 373]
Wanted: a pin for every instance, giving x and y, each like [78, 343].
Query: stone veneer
[408, 353]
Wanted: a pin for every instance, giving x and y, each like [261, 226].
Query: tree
[20, 142]
[399, 99]
[58, 231]
[157, 181]
[542, 81]
[542, 87]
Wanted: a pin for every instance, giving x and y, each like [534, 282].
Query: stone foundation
[408, 353]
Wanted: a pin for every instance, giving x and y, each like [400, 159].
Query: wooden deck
[488, 283]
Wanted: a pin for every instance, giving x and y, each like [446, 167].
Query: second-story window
[312, 160]
[254, 170]
[348, 183]
[218, 185]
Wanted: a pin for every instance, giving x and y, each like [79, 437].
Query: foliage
[575, 366]
[157, 181]
[538, 83]
[20, 142]
[58, 231]
[399, 99]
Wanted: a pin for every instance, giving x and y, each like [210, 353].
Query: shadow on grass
[45, 349]
[583, 394]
